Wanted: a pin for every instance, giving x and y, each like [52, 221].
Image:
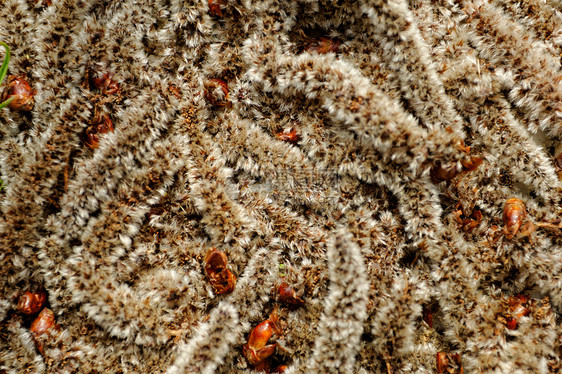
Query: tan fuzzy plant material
[378, 183]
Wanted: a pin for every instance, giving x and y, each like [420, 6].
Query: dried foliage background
[348, 215]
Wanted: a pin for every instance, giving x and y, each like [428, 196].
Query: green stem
[7, 102]
[4, 71]
[4, 68]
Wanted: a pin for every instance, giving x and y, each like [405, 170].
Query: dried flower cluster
[384, 175]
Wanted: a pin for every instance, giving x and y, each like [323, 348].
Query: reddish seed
[289, 136]
[518, 299]
[511, 323]
[257, 349]
[215, 7]
[287, 294]
[215, 261]
[513, 215]
[44, 321]
[21, 91]
[104, 81]
[222, 279]
[102, 125]
[31, 303]
[442, 362]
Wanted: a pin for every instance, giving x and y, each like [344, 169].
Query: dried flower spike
[513, 215]
[30, 303]
[18, 94]
[257, 349]
[287, 294]
[222, 279]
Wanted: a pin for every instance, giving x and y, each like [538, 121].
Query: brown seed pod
[216, 92]
[104, 82]
[443, 172]
[323, 45]
[215, 261]
[222, 279]
[19, 89]
[287, 294]
[289, 136]
[257, 349]
[513, 215]
[30, 303]
[102, 125]
[215, 7]
[44, 322]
